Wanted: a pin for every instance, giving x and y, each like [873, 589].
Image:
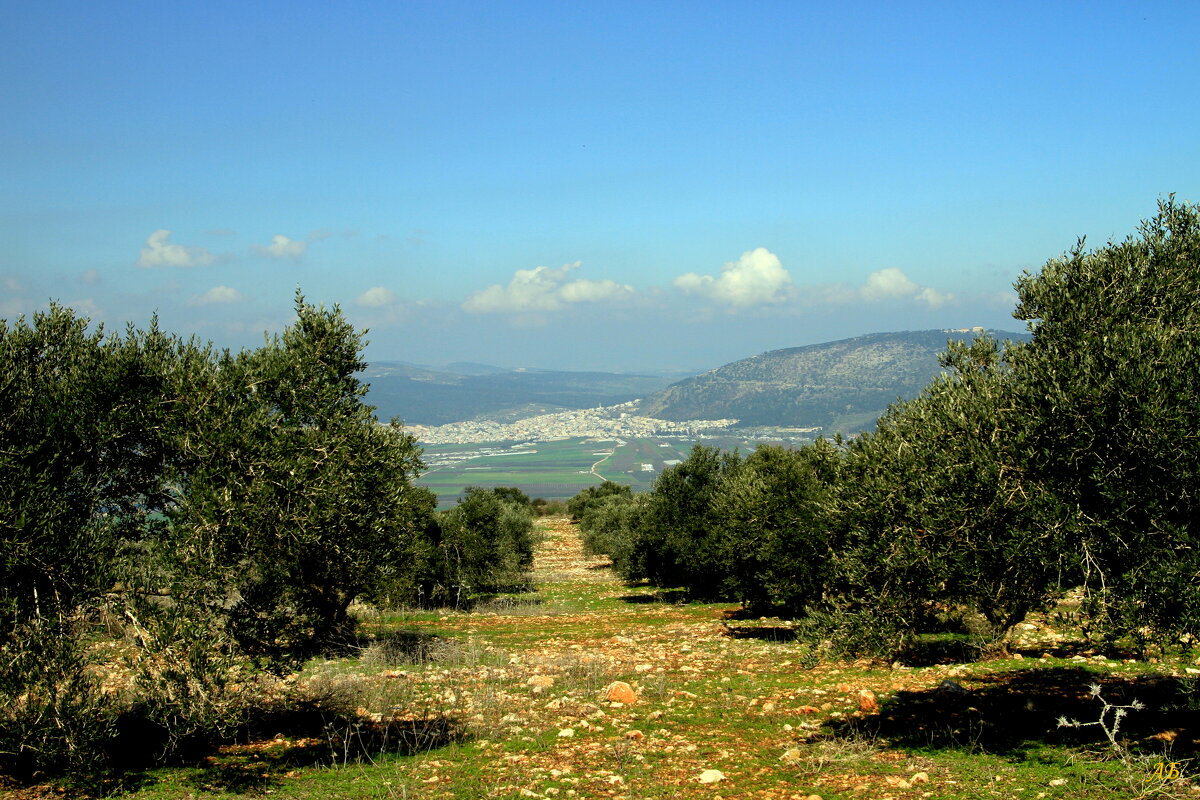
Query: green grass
[715, 692]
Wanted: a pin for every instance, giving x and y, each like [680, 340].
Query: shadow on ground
[766, 633]
[271, 743]
[674, 596]
[1011, 712]
[263, 763]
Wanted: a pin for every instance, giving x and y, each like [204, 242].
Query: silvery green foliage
[935, 508]
[292, 499]
[206, 505]
[1109, 384]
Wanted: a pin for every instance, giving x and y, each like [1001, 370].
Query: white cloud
[890, 282]
[376, 297]
[933, 298]
[544, 289]
[159, 252]
[216, 295]
[757, 278]
[893, 283]
[585, 291]
[282, 247]
[91, 277]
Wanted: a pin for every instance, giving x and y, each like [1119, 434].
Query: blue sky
[578, 185]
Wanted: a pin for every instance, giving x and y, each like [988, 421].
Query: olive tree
[81, 457]
[678, 541]
[292, 499]
[775, 516]
[486, 544]
[937, 510]
[1110, 381]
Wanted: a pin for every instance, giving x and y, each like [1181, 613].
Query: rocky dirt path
[560, 557]
[587, 688]
[604, 690]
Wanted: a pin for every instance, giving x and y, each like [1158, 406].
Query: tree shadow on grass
[672, 596]
[318, 739]
[766, 633]
[273, 742]
[1012, 712]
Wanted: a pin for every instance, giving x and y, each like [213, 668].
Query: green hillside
[839, 386]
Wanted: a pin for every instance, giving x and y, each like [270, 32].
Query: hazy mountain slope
[843, 385]
[431, 397]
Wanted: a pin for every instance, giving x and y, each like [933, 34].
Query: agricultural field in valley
[560, 469]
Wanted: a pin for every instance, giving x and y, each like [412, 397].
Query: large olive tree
[937, 511]
[1110, 382]
[292, 499]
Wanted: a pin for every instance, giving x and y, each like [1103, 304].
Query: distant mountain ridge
[464, 391]
[837, 386]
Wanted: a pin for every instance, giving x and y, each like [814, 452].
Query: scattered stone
[918, 778]
[768, 707]
[643, 668]
[808, 710]
[540, 683]
[566, 733]
[620, 692]
[711, 776]
[897, 783]
[867, 702]
[1058, 782]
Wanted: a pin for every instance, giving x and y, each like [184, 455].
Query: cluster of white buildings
[605, 422]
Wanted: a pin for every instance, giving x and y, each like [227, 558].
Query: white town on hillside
[601, 422]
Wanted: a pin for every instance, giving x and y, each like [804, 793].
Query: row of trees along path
[714, 692]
